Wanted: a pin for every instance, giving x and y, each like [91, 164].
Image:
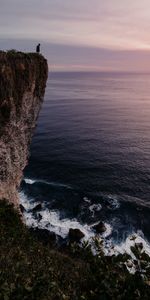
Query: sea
[90, 158]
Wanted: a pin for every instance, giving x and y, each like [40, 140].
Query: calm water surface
[90, 155]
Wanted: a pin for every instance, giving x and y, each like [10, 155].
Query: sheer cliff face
[22, 86]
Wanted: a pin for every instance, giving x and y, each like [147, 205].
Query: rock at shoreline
[100, 227]
[37, 208]
[39, 217]
[22, 209]
[75, 235]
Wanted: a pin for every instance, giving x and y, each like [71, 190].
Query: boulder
[139, 246]
[22, 209]
[37, 208]
[75, 235]
[39, 217]
[100, 227]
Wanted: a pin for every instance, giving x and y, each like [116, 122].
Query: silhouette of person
[38, 48]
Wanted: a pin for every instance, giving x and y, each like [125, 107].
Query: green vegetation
[31, 270]
[13, 52]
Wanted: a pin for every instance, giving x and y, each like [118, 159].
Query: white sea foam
[94, 208]
[126, 247]
[130, 242]
[32, 181]
[113, 202]
[52, 221]
[29, 181]
[87, 200]
[27, 203]
[108, 230]
[61, 226]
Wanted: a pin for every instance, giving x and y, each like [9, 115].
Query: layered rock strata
[22, 87]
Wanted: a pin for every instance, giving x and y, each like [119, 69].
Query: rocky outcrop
[75, 235]
[22, 86]
[100, 227]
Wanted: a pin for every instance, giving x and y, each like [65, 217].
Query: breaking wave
[57, 221]
[52, 220]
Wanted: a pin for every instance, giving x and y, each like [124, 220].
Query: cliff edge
[22, 87]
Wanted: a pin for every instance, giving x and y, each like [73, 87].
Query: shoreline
[39, 270]
[51, 222]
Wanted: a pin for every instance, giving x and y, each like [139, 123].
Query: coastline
[39, 270]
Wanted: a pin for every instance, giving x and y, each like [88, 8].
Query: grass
[31, 270]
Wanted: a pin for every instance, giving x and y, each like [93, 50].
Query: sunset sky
[81, 34]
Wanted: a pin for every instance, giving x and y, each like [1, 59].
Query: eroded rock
[22, 86]
[100, 227]
[75, 235]
[22, 209]
[37, 208]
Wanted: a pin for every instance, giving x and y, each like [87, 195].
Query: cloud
[97, 23]
[80, 32]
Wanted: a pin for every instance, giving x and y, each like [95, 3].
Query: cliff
[31, 267]
[22, 86]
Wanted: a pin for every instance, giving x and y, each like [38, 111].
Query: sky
[102, 35]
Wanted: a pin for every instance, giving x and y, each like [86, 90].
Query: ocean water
[90, 156]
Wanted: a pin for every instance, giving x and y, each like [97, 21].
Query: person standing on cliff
[38, 48]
